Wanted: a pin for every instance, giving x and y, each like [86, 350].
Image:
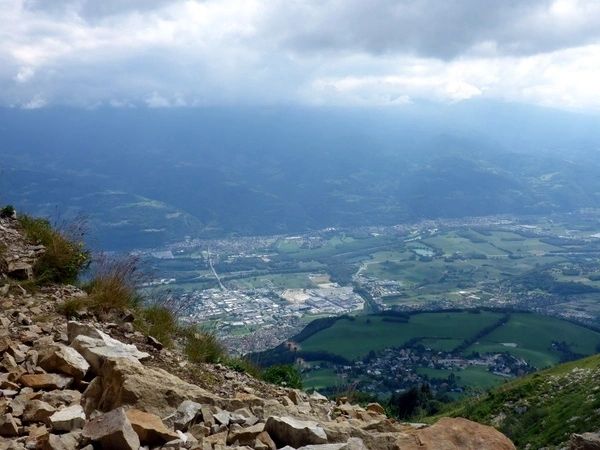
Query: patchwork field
[540, 340]
[354, 338]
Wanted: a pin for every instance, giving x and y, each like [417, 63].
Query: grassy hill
[542, 409]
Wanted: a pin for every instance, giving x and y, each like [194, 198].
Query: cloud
[160, 53]
[440, 29]
[35, 103]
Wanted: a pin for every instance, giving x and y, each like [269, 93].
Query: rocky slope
[94, 384]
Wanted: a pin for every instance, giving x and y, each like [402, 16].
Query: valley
[270, 287]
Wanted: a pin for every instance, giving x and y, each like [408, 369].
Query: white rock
[65, 360]
[68, 419]
[294, 432]
[96, 351]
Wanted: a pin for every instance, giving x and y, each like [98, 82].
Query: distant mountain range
[146, 177]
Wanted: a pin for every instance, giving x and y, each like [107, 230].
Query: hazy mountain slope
[286, 170]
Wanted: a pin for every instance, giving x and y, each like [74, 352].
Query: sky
[376, 53]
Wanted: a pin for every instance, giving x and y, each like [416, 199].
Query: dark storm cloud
[438, 28]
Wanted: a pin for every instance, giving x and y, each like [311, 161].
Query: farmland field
[354, 338]
[525, 335]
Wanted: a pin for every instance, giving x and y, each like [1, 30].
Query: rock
[8, 426]
[454, 434]
[97, 351]
[245, 436]
[185, 415]
[150, 428]
[112, 431]
[127, 382]
[65, 360]
[75, 329]
[37, 434]
[67, 441]
[264, 441]
[297, 396]
[19, 270]
[318, 397]
[48, 381]
[222, 417]
[294, 432]
[376, 408]
[37, 411]
[154, 343]
[65, 397]
[67, 419]
[217, 439]
[585, 441]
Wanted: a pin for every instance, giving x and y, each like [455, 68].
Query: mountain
[146, 177]
[542, 410]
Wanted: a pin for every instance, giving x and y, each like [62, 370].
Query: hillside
[543, 409]
[100, 382]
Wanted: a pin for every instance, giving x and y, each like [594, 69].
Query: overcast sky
[161, 53]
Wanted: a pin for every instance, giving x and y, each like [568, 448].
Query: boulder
[150, 428]
[126, 382]
[454, 434]
[245, 436]
[585, 441]
[294, 432]
[48, 381]
[112, 431]
[75, 329]
[376, 408]
[97, 351]
[67, 419]
[65, 360]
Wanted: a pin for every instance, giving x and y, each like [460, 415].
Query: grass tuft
[113, 287]
[65, 256]
[159, 322]
[202, 346]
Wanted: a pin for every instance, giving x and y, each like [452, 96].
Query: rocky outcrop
[101, 385]
[585, 441]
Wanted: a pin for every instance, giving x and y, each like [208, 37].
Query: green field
[467, 378]
[353, 339]
[322, 378]
[525, 335]
[534, 335]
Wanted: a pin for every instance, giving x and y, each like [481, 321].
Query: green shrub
[283, 375]
[65, 255]
[202, 346]
[243, 365]
[7, 211]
